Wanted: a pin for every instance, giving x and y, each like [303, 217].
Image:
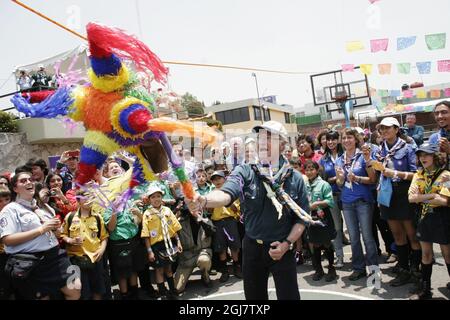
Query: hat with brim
[218, 174]
[274, 127]
[428, 148]
[389, 122]
[153, 189]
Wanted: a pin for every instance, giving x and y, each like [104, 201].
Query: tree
[8, 122]
[194, 107]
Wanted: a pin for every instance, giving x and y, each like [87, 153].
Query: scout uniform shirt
[207, 188]
[420, 180]
[125, 226]
[226, 212]
[21, 216]
[87, 228]
[320, 190]
[152, 226]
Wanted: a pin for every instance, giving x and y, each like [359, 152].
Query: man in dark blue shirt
[268, 242]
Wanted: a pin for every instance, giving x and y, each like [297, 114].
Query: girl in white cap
[397, 164]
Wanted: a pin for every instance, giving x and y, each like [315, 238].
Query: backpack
[97, 218]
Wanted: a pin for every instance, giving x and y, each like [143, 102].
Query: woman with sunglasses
[26, 229]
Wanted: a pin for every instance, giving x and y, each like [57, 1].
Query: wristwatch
[291, 244]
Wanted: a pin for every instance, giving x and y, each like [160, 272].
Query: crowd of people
[262, 207]
[36, 81]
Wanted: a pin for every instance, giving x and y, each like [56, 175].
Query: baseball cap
[273, 127]
[153, 189]
[218, 173]
[389, 122]
[428, 148]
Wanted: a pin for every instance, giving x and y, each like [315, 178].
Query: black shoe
[331, 276]
[224, 277]
[173, 295]
[206, 281]
[318, 275]
[212, 272]
[424, 292]
[356, 275]
[396, 268]
[345, 241]
[402, 278]
[237, 272]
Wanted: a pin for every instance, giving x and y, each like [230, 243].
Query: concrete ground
[340, 289]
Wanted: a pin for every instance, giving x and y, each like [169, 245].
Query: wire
[166, 62]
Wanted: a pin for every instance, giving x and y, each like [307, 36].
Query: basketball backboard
[334, 87]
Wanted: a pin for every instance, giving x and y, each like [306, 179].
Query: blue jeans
[337, 219]
[358, 217]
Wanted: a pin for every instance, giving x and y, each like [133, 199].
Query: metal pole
[259, 100]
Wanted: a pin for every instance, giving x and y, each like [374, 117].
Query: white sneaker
[339, 262]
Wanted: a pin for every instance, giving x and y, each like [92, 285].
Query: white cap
[40, 65]
[389, 122]
[273, 127]
[224, 145]
[153, 189]
[360, 130]
[249, 140]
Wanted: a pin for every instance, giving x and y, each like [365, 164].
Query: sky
[288, 35]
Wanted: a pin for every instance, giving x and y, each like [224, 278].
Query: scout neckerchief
[349, 164]
[399, 144]
[276, 193]
[429, 178]
[170, 250]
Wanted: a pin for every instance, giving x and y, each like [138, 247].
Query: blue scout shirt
[327, 163]
[355, 191]
[260, 216]
[404, 159]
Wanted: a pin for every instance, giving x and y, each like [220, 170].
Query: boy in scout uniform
[226, 220]
[86, 238]
[159, 230]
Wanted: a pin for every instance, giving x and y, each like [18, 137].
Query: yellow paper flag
[354, 46]
[421, 94]
[366, 68]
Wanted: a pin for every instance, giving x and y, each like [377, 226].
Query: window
[233, 116]
[266, 113]
[287, 117]
[257, 113]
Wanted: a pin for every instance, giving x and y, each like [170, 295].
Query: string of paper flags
[435, 41]
[423, 67]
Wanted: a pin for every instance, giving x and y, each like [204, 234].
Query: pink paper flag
[379, 45]
[443, 65]
[348, 67]
[384, 68]
[408, 93]
[447, 92]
